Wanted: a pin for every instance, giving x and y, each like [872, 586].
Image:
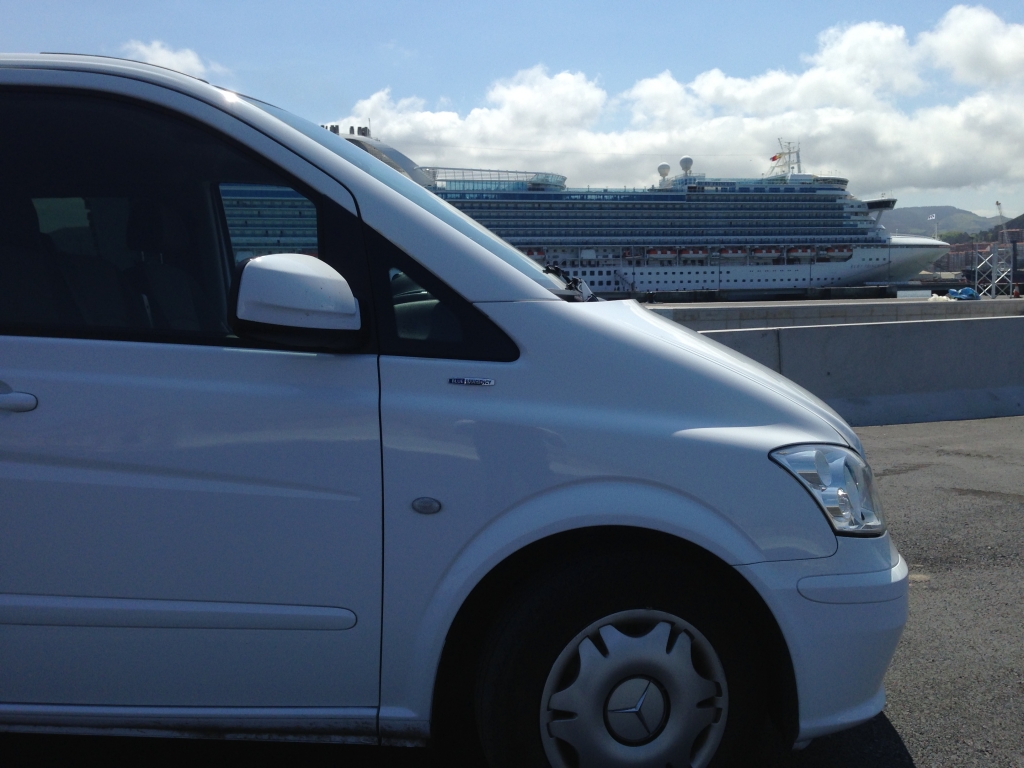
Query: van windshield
[413, 192]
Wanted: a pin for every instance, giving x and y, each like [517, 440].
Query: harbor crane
[995, 274]
[1013, 247]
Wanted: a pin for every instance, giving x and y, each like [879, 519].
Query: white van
[290, 448]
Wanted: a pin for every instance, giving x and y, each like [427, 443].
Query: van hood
[644, 321]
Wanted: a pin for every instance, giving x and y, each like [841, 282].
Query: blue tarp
[962, 294]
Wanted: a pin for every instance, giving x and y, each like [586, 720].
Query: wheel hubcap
[637, 688]
[636, 711]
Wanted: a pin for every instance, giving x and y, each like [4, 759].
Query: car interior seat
[171, 297]
[32, 289]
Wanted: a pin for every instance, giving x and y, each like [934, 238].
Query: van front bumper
[841, 617]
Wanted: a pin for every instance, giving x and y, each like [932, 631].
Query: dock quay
[823, 293]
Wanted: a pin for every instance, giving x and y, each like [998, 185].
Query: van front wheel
[617, 664]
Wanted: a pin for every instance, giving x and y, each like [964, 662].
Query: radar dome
[686, 163]
[663, 169]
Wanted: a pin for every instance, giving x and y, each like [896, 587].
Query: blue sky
[474, 83]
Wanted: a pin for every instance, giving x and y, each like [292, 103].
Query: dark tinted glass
[264, 219]
[420, 316]
[121, 221]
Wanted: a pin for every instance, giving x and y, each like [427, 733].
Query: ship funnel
[686, 163]
[663, 169]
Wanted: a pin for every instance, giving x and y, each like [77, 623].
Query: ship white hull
[901, 259]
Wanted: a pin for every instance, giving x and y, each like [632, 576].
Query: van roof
[110, 65]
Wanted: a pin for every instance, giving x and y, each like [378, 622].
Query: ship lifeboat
[727, 251]
[838, 250]
[693, 254]
[537, 253]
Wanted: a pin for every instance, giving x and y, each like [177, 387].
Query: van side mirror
[296, 300]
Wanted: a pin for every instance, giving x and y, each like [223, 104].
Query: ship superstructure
[787, 229]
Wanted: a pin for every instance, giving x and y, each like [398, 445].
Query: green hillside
[993, 232]
[914, 220]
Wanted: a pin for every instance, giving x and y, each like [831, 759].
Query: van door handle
[19, 402]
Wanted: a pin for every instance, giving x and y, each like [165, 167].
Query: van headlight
[841, 482]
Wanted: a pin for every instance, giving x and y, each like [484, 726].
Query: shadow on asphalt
[876, 744]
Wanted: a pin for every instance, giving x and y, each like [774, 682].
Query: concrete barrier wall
[902, 372]
[778, 314]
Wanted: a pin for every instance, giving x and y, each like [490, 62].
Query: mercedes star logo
[636, 711]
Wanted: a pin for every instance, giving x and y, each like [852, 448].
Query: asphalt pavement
[954, 496]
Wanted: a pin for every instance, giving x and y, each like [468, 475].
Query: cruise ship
[785, 230]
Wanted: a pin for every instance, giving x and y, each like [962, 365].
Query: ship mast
[786, 159]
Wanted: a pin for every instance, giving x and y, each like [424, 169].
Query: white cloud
[662, 101]
[183, 60]
[977, 46]
[848, 107]
[529, 106]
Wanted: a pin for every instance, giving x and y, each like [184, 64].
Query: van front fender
[413, 640]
